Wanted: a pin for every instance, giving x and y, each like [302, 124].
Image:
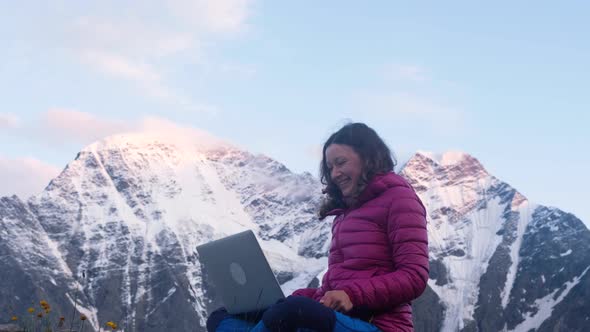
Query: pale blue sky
[506, 82]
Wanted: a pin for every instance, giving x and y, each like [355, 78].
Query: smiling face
[346, 168]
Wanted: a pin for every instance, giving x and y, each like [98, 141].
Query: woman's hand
[337, 300]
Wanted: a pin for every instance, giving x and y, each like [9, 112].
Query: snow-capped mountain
[114, 237]
[118, 229]
[498, 262]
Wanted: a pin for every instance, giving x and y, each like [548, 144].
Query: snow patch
[57, 254]
[566, 253]
[545, 306]
[90, 312]
[525, 216]
[171, 292]
[305, 277]
[478, 230]
[445, 159]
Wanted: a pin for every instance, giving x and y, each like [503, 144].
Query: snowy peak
[128, 213]
[453, 180]
[161, 183]
[488, 245]
[446, 158]
[456, 163]
[157, 152]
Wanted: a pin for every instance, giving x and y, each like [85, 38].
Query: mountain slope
[115, 236]
[495, 256]
[126, 215]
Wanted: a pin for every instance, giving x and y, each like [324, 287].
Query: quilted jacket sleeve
[407, 234]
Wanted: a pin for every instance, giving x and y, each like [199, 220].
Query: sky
[505, 82]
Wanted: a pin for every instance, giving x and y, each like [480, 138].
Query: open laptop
[240, 273]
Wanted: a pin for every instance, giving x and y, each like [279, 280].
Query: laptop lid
[241, 274]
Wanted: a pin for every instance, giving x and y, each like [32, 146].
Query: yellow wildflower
[31, 310]
[112, 325]
[14, 318]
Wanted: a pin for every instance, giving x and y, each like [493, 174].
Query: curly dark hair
[376, 156]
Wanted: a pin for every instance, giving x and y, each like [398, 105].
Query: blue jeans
[343, 324]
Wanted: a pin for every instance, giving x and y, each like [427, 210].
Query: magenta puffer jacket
[379, 253]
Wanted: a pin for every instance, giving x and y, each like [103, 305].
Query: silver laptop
[240, 273]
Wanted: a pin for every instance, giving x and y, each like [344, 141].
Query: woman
[378, 260]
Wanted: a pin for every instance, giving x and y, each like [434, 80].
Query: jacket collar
[376, 186]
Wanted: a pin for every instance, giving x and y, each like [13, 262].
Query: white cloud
[139, 47]
[132, 37]
[410, 73]
[128, 51]
[66, 125]
[228, 16]
[25, 176]
[412, 99]
[61, 125]
[411, 104]
[121, 67]
[144, 75]
[412, 110]
[8, 121]
[237, 70]
[177, 133]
